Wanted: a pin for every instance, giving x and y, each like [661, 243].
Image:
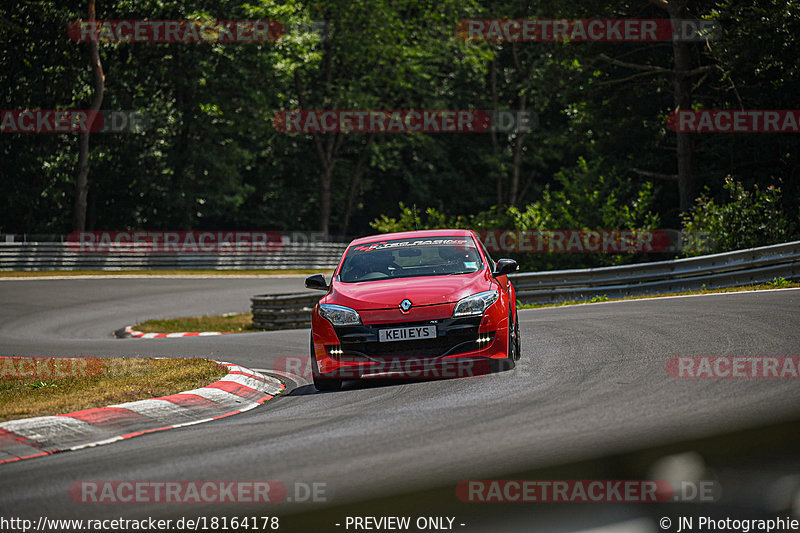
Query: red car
[417, 304]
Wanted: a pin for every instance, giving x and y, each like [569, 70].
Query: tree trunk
[183, 214]
[682, 99]
[82, 182]
[355, 182]
[513, 195]
[327, 150]
[495, 146]
[325, 200]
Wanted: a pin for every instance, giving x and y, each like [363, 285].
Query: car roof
[415, 234]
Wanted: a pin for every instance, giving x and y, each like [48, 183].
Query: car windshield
[405, 258]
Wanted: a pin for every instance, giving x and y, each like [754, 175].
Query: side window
[486, 254]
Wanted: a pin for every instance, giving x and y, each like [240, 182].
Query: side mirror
[317, 281]
[505, 266]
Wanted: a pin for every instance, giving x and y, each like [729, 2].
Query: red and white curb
[128, 331]
[240, 390]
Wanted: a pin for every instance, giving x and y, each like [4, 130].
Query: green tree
[746, 220]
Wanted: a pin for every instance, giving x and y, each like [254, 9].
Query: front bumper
[463, 347]
[454, 336]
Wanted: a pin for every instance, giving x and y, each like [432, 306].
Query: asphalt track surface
[591, 382]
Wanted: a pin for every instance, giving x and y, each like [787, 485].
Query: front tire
[517, 338]
[327, 384]
[514, 345]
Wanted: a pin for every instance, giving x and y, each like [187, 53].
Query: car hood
[428, 290]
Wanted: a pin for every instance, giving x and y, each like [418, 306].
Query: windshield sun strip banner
[392, 244]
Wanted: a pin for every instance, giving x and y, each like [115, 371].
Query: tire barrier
[284, 311]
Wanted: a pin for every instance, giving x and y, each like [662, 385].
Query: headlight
[475, 304]
[339, 315]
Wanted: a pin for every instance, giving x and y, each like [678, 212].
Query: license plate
[407, 334]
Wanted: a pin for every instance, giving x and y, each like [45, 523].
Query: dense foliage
[744, 220]
[211, 157]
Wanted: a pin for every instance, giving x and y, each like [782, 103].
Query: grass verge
[36, 386]
[154, 273]
[227, 323]
[779, 283]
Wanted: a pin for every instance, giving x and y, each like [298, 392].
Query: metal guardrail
[61, 256]
[730, 269]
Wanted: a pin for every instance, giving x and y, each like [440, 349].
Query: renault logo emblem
[405, 305]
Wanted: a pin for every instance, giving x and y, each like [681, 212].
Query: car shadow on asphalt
[372, 383]
[351, 385]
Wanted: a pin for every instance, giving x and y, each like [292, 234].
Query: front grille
[453, 336]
